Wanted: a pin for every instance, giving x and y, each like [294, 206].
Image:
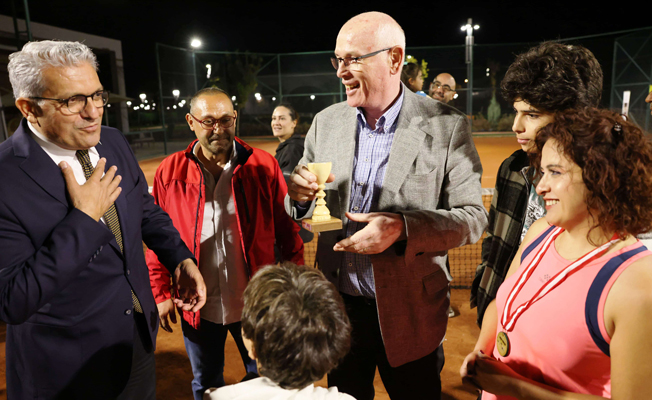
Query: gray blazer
[433, 179]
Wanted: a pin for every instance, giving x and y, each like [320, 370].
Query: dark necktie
[110, 217]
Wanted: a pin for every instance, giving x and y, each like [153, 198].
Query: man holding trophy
[405, 181]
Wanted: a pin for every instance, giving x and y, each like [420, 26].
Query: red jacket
[259, 190]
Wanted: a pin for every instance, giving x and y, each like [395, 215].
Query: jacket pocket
[435, 282]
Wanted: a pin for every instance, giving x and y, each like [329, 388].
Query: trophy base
[332, 224]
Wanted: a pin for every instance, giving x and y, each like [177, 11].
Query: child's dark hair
[297, 323]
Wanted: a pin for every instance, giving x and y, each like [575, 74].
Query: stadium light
[469, 28]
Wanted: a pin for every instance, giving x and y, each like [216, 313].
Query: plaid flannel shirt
[506, 218]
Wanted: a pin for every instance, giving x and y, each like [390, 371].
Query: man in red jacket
[226, 200]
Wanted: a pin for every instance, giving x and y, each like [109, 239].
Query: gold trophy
[321, 216]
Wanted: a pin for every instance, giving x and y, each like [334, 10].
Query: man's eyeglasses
[354, 60]
[445, 88]
[210, 123]
[77, 103]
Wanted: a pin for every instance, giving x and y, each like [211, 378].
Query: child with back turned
[295, 327]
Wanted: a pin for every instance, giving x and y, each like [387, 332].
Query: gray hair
[26, 66]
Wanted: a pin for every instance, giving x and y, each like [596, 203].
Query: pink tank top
[561, 340]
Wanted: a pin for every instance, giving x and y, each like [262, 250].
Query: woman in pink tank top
[573, 317]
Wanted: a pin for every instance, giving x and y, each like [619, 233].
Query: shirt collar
[197, 146]
[387, 120]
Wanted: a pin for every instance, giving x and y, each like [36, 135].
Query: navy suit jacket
[65, 287]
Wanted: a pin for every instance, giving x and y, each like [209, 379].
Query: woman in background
[290, 150]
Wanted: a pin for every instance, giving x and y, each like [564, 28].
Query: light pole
[160, 97]
[469, 28]
[195, 44]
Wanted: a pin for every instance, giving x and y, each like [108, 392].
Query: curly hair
[297, 323]
[554, 77]
[616, 162]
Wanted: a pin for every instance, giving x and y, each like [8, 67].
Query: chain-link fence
[632, 72]
[260, 81]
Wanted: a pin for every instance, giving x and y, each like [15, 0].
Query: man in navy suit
[74, 286]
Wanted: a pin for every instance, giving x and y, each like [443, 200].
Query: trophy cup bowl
[321, 171]
[321, 216]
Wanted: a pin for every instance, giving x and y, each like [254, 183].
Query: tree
[237, 76]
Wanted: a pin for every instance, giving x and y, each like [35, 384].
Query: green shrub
[505, 122]
[480, 123]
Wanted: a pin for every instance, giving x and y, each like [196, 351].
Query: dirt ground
[172, 365]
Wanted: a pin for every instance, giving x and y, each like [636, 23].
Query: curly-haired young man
[547, 78]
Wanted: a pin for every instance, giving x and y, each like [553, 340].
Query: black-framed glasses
[209, 123]
[354, 60]
[77, 103]
[445, 88]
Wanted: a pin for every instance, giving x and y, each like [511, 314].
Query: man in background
[443, 88]
[547, 78]
[226, 199]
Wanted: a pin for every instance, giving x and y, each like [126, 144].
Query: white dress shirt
[58, 154]
[221, 258]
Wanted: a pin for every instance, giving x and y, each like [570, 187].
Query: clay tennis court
[172, 365]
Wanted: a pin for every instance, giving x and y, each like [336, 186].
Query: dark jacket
[65, 287]
[288, 154]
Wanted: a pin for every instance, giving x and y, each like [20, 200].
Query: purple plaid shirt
[369, 165]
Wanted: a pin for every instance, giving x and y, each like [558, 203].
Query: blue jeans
[205, 348]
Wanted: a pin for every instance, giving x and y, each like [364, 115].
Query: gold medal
[502, 344]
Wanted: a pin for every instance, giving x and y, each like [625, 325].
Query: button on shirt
[369, 165]
[221, 260]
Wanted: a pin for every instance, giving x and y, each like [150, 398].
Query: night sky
[297, 26]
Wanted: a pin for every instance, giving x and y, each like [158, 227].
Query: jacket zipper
[194, 238]
[201, 184]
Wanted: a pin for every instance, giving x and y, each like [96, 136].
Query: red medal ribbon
[508, 319]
